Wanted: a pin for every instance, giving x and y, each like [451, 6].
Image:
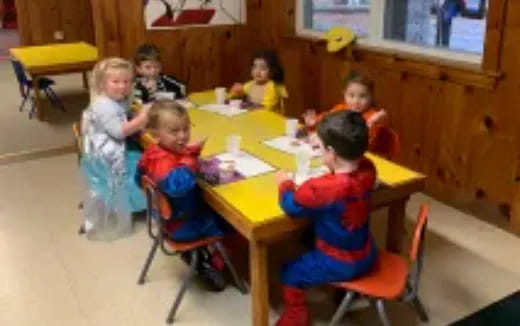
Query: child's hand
[310, 118]
[138, 122]
[237, 88]
[151, 84]
[281, 177]
[377, 118]
[142, 114]
[199, 144]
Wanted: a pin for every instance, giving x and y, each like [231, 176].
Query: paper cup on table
[233, 144]
[291, 127]
[303, 162]
[236, 104]
[165, 96]
[220, 95]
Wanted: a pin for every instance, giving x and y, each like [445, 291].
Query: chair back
[155, 200]
[284, 95]
[386, 143]
[19, 72]
[417, 249]
[394, 143]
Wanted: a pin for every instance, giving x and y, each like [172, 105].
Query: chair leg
[33, 108]
[343, 307]
[416, 302]
[20, 109]
[146, 266]
[56, 99]
[184, 287]
[26, 95]
[381, 311]
[239, 283]
[49, 96]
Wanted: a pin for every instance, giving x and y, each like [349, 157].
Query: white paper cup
[236, 104]
[303, 162]
[291, 127]
[220, 95]
[233, 144]
[165, 96]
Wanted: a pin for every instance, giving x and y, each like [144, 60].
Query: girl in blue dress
[107, 165]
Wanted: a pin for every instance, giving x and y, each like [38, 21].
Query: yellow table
[251, 205]
[55, 59]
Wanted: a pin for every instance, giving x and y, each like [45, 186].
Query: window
[454, 29]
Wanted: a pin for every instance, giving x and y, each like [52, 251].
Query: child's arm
[174, 86]
[141, 93]
[191, 159]
[380, 117]
[177, 182]
[305, 201]
[172, 179]
[194, 149]
[137, 123]
[310, 118]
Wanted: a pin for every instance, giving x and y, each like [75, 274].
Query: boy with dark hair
[150, 82]
[339, 205]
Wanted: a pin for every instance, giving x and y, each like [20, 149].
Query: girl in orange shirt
[358, 97]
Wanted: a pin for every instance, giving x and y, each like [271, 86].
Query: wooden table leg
[396, 229]
[85, 80]
[259, 283]
[37, 98]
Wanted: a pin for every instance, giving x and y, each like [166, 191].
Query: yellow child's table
[251, 205]
[55, 59]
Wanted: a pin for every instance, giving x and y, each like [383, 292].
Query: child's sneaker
[211, 275]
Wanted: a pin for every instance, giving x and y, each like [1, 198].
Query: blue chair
[26, 87]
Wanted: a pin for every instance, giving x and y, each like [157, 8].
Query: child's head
[265, 66]
[343, 135]
[148, 61]
[112, 77]
[358, 92]
[170, 123]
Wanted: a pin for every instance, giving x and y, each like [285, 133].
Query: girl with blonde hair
[107, 165]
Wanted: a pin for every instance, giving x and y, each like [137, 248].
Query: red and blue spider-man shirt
[175, 176]
[339, 205]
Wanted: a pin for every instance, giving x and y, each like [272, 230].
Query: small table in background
[55, 59]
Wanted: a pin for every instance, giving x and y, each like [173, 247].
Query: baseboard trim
[24, 156]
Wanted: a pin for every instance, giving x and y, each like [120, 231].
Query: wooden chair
[391, 278]
[158, 211]
[76, 132]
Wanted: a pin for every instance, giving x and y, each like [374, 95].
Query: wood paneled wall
[38, 20]
[459, 129]
[203, 57]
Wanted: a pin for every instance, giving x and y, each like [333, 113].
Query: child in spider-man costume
[339, 205]
[173, 164]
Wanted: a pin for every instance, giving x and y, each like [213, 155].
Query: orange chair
[386, 143]
[76, 132]
[390, 279]
[159, 206]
